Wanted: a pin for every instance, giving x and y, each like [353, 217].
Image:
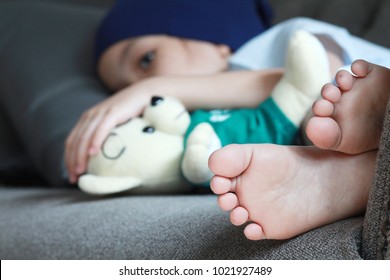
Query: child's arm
[224, 90]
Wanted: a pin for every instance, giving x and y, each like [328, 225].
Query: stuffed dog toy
[150, 152]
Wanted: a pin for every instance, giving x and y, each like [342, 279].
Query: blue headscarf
[229, 22]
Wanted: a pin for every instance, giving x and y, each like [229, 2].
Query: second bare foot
[349, 117]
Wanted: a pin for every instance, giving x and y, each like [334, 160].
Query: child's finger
[73, 143]
[113, 117]
[69, 155]
[102, 130]
[84, 143]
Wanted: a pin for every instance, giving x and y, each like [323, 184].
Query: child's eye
[147, 60]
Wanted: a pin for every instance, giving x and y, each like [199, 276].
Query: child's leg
[283, 191]
[349, 117]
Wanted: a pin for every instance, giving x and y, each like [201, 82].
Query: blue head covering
[229, 22]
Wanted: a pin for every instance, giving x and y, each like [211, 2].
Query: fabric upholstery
[47, 77]
[65, 224]
[376, 234]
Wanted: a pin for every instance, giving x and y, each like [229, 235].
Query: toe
[323, 108]
[228, 201]
[222, 185]
[254, 232]
[230, 161]
[239, 216]
[325, 133]
[331, 93]
[345, 80]
[360, 68]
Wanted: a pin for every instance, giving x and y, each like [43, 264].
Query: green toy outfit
[264, 124]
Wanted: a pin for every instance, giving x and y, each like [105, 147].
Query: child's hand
[96, 123]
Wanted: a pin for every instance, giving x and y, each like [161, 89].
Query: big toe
[324, 132]
[230, 161]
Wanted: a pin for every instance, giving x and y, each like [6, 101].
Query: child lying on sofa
[154, 64]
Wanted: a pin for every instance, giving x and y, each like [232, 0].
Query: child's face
[132, 60]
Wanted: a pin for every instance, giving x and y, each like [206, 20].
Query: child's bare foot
[349, 117]
[283, 191]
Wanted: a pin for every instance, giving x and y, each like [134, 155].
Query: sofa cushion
[376, 234]
[47, 77]
[365, 19]
[14, 161]
[67, 224]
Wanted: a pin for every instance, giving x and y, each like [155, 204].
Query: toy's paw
[99, 185]
[201, 143]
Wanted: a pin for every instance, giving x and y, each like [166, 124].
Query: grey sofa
[47, 81]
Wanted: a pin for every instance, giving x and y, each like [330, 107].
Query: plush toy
[148, 151]
[167, 144]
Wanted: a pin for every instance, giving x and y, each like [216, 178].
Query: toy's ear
[99, 185]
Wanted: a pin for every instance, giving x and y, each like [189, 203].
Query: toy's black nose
[156, 100]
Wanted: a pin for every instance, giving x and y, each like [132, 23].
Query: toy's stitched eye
[148, 129]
